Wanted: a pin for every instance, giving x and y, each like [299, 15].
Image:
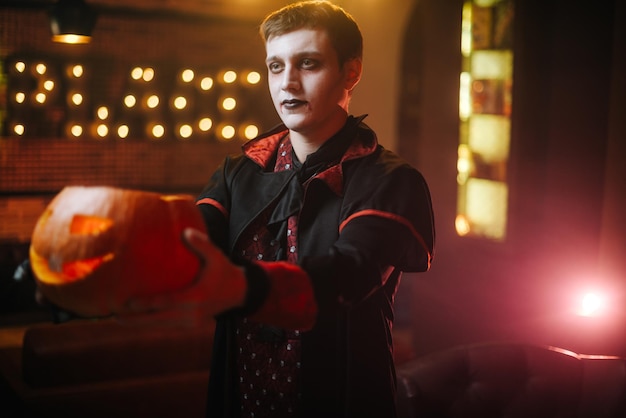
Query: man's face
[309, 89]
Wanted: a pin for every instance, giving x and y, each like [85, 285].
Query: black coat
[364, 217]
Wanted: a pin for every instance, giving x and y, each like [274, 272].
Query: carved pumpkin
[94, 248]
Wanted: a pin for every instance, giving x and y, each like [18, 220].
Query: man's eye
[274, 67]
[308, 63]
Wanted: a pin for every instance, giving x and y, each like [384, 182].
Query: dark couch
[103, 369]
[504, 380]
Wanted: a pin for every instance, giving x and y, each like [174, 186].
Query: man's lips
[292, 103]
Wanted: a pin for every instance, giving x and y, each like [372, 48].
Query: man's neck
[305, 145]
[302, 147]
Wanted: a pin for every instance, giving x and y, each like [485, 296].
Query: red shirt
[268, 357]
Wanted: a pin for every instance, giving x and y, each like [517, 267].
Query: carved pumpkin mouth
[55, 271]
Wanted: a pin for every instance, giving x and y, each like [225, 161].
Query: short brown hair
[342, 29]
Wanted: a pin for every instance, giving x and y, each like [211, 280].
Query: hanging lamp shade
[72, 21]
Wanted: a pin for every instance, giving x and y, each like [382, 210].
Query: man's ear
[353, 69]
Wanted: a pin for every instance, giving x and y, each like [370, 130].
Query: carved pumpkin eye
[89, 225]
[56, 269]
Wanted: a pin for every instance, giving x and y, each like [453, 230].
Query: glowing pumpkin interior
[56, 271]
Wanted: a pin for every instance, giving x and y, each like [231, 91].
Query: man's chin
[294, 122]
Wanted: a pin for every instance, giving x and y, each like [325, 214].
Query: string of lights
[49, 98]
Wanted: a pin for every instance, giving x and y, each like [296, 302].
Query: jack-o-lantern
[95, 248]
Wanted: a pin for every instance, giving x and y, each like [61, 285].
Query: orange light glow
[462, 225]
[72, 39]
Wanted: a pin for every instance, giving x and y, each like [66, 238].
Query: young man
[310, 229]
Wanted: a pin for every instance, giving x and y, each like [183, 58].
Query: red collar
[262, 151]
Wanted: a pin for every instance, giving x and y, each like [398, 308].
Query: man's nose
[290, 79]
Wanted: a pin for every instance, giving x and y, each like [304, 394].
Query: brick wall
[41, 166]
[19, 215]
[32, 171]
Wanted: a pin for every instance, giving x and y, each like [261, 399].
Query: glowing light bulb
[153, 101]
[130, 100]
[229, 103]
[77, 70]
[123, 131]
[102, 112]
[206, 83]
[253, 77]
[76, 130]
[136, 73]
[19, 129]
[180, 102]
[158, 130]
[148, 74]
[229, 77]
[591, 304]
[251, 131]
[187, 75]
[77, 99]
[228, 132]
[205, 124]
[102, 130]
[185, 131]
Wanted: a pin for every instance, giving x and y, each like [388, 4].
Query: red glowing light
[592, 304]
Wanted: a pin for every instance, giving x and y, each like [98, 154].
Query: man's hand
[219, 286]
